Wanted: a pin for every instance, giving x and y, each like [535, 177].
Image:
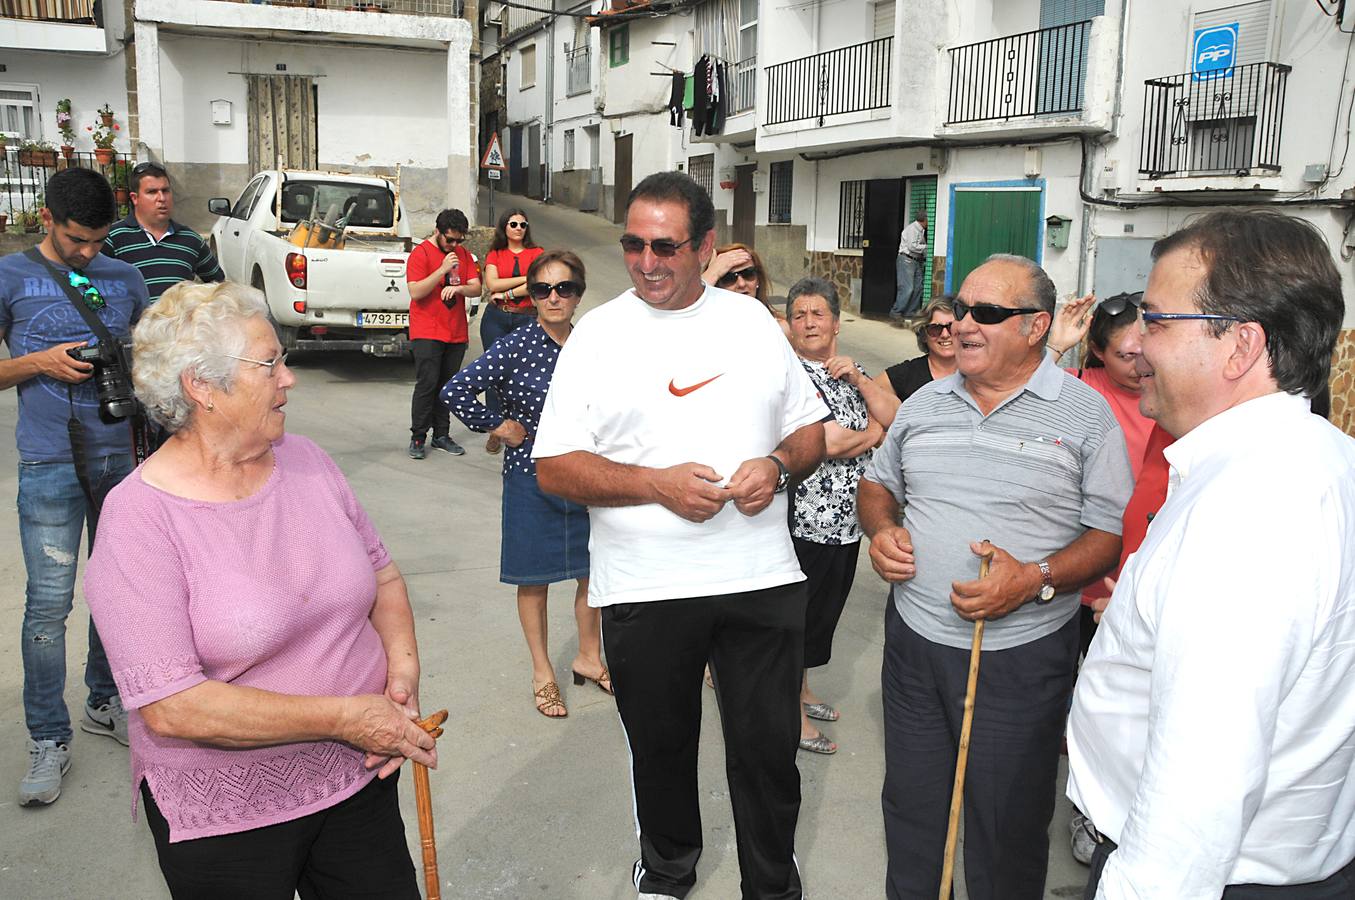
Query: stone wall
[1343, 383]
[782, 250]
[838, 269]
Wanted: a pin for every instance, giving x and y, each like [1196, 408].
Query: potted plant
[103, 135]
[4, 222]
[40, 154]
[118, 179]
[31, 219]
[66, 126]
[106, 115]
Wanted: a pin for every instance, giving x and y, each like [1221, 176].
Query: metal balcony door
[922, 193]
[282, 121]
[1063, 54]
[985, 221]
[880, 245]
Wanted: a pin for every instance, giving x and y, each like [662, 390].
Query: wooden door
[282, 121]
[745, 206]
[880, 244]
[621, 176]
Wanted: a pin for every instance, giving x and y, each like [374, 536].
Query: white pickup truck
[344, 288]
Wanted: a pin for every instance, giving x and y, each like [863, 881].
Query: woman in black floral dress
[823, 520]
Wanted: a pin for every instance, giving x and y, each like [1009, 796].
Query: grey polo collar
[1046, 383]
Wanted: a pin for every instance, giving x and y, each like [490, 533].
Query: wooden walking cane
[962, 756]
[423, 800]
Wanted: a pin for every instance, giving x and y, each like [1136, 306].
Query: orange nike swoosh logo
[682, 392]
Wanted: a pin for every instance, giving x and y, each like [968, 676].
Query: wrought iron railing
[24, 174]
[850, 79]
[1225, 122]
[453, 8]
[578, 71]
[1031, 74]
[75, 12]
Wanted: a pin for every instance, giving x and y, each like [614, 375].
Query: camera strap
[75, 429]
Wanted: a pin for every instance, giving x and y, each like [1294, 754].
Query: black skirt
[829, 571]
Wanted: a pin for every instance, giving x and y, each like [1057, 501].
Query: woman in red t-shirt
[510, 253]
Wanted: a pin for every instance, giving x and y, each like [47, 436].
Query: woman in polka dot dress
[545, 538]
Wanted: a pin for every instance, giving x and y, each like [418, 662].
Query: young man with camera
[74, 387]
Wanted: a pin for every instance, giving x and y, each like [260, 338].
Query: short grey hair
[813, 285]
[1042, 292]
[190, 329]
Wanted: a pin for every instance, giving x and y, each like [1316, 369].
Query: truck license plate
[379, 319]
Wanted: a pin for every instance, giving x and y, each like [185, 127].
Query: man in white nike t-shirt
[678, 413]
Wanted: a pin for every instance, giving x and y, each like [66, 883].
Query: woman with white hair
[260, 636]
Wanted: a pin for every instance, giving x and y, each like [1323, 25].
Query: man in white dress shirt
[910, 266]
[1213, 727]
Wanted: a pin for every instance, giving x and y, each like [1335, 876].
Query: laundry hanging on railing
[675, 99]
[711, 101]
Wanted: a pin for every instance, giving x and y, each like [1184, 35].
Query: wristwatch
[784, 478]
[1046, 583]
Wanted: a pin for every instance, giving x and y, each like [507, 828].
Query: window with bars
[702, 170]
[778, 192]
[851, 215]
[569, 149]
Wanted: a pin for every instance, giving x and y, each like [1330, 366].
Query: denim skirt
[545, 538]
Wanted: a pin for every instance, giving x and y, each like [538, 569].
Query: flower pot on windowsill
[67, 151]
[32, 229]
[4, 222]
[104, 155]
[121, 195]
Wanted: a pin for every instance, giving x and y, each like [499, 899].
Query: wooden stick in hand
[423, 800]
[962, 757]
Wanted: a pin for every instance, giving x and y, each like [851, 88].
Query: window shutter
[1253, 28]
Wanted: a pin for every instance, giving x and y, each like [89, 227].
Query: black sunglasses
[454, 241]
[93, 299]
[990, 314]
[936, 329]
[663, 247]
[725, 280]
[517, 225]
[1113, 306]
[565, 290]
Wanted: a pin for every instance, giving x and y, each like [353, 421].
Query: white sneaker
[1081, 838]
[47, 762]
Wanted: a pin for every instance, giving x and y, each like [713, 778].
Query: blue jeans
[52, 511]
[908, 290]
[494, 324]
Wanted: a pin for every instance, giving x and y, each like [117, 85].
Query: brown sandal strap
[549, 695]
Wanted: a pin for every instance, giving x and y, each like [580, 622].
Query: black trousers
[1338, 886]
[354, 849]
[435, 362]
[830, 570]
[1019, 711]
[656, 652]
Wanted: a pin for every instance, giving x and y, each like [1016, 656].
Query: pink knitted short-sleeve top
[272, 592]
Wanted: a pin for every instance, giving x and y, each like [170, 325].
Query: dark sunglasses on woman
[749, 274]
[936, 329]
[565, 290]
[991, 314]
[1113, 306]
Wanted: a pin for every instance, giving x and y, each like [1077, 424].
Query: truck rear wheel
[286, 333]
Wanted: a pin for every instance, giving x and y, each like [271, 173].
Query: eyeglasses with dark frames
[565, 290]
[992, 314]
[1152, 318]
[80, 281]
[662, 247]
[749, 275]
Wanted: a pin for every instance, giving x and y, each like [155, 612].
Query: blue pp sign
[1214, 51]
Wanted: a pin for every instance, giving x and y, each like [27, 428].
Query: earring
[210, 405]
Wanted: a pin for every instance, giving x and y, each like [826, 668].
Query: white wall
[89, 81]
[636, 101]
[360, 122]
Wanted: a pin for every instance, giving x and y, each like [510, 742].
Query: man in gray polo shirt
[1014, 457]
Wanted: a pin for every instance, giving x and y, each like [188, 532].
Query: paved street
[525, 807]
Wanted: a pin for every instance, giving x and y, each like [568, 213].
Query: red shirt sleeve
[420, 263]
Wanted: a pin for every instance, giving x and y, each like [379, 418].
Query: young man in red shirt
[441, 274]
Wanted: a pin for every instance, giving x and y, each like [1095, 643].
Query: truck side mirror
[219, 206]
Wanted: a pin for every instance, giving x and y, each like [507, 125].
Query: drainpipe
[1089, 212]
[550, 101]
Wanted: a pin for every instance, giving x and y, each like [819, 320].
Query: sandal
[580, 678]
[548, 696]
[819, 744]
[821, 711]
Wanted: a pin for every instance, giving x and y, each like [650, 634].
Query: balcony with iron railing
[813, 90]
[24, 174]
[423, 24]
[578, 71]
[740, 123]
[1036, 81]
[53, 25]
[451, 8]
[1227, 123]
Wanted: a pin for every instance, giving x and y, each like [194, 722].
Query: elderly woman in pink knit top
[260, 636]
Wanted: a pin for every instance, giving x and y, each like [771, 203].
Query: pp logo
[1214, 51]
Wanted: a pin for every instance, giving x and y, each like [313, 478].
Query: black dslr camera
[112, 377]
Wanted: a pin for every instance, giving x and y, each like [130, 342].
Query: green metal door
[987, 221]
[922, 193]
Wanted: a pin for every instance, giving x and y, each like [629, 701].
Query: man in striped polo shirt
[1013, 457]
[165, 252]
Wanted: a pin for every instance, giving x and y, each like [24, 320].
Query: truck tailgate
[356, 280]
